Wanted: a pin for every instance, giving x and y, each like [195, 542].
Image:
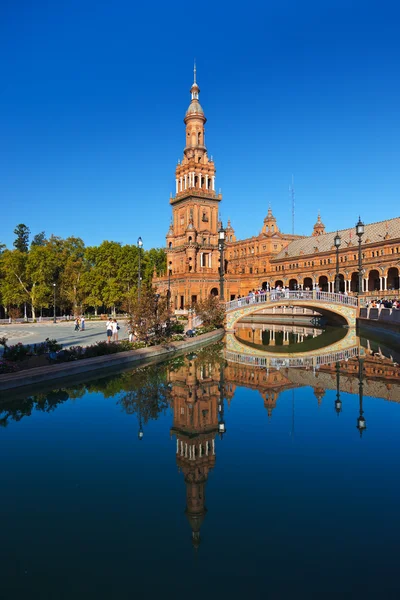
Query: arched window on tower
[170, 245]
[272, 228]
[199, 138]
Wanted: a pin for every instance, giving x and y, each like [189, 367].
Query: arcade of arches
[269, 259]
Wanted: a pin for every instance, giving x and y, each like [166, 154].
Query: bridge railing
[284, 295]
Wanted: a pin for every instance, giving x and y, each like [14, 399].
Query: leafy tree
[39, 239]
[21, 242]
[211, 311]
[148, 314]
[2, 247]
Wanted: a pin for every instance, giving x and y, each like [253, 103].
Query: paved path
[63, 332]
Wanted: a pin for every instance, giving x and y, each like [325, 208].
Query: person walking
[82, 323]
[76, 324]
[109, 330]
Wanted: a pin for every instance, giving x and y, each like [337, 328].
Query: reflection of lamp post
[221, 422]
[221, 242]
[337, 241]
[359, 232]
[139, 244]
[361, 423]
[338, 402]
[140, 433]
[54, 318]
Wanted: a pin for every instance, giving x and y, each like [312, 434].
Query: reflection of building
[268, 258]
[195, 397]
[270, 384]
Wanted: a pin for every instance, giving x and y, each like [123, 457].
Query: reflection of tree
[13, 410]
[149, 393]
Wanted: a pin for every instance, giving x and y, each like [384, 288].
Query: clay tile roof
[374, 232]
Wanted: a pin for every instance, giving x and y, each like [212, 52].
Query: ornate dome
[319, 227]
[194, 108]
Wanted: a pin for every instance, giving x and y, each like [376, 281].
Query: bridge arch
[338, 309]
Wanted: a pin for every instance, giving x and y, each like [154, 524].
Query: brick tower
[192, 239]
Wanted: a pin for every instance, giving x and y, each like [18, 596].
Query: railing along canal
[285, 295]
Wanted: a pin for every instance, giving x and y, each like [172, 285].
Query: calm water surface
[205, 476]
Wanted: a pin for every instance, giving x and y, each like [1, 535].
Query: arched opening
[199, 140]
[170, 245]
[323, 283]
[214, 292]
[308, 283]
[209, 184]
[264, 285]
[293, 285]
[279, 283]
[374, 282]
[341, 283]
[196, 181]
[354, 282]
[393, 279]
[190, 239]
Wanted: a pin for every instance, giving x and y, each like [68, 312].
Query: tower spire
[194, 72]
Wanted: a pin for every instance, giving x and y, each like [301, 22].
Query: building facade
[267, 260]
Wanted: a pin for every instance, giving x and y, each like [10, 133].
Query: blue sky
[93, 96]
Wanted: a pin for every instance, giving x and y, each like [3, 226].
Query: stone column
[213, 183]
[385, 283]
[176, 183]
[206, 182]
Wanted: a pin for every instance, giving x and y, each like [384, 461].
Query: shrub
[7, 367]
[177, 327]
[17, 352]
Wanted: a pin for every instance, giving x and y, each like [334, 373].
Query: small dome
[194, 108]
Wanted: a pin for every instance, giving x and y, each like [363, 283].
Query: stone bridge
[338, 309]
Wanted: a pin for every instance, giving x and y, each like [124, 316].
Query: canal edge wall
[39, 375]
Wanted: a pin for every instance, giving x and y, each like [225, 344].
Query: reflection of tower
[319, 393]
[195, 397]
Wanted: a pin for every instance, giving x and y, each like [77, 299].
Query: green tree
[39, 239]
[21, 242]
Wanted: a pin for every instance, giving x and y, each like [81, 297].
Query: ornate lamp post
[338, 402]
[54, 303]
[337, 241]
[221, 243]
[361, 423]
[360, 233]
[139, 245]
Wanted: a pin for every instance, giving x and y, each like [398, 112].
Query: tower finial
[194, 72]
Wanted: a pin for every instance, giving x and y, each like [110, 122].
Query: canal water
[204, 475]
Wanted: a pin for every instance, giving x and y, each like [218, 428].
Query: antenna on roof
[291, 192]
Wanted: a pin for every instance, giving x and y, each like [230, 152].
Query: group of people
[80, 323]
[383, 303]
[112, 329]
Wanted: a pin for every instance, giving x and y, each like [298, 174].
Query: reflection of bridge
[278, 361]
[339, 308]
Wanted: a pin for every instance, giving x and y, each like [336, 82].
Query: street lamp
[338, 402]
[360, 233]
[337, 241]
[361, 423]
[139, 245]
[54, 319]
[221, 243]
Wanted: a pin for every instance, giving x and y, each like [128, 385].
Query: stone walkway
[63, 332]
